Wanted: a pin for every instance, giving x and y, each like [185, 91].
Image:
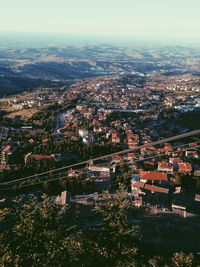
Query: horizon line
[159, 40]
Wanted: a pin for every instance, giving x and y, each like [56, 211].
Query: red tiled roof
[45, 140]
[175, 160]
[133, 167]
[193, 153]
[149, 187]
[150, 163]
[71, 172]
[142, 150]
[131, 155]
[117, 158]
[39, 157]
[193, 144]
[137, 184]
[156, 189]
[184, 167]
[164, 165]
[114, 136]
[159, 176]
[6, 149]
[167, 145]
[130, 145]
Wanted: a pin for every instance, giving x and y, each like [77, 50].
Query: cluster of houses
[118, 114]
[37, 99]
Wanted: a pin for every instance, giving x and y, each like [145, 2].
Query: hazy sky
[140, 18]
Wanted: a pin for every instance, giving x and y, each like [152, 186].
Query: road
[60, 170]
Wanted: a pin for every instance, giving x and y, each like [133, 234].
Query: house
[132, 167]
[168, 148]
[45, 140]
[143, 151]
[197, 173]
[18, 106]
[6, 154]
[184, 168]
[117, 123]
[39, 157]
[165, 167]
[152, 176]
[131, 156]
[140, 185]
[197, 197]
[115, 139]
[73, 173]
[191, 154]
[175, 160]
[132, 144]
[99, 168]
[149, 164]
[193, 145]
[74, 138]
[136, 184]
[82, 133]
[157, 189]
[116, 159]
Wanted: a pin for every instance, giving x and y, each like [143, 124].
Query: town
[96, 117]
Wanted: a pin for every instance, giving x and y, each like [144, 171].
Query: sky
[132, 18]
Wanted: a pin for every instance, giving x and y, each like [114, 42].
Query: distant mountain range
[28, 64]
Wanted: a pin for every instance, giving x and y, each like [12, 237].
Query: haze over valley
[29, 62]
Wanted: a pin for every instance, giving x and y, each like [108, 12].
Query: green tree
[32, 233]
[118, 239]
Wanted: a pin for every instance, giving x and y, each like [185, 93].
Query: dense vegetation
[40, 233]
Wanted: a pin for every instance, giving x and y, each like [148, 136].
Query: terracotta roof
[147, 175]
[167, 145]
[45, 140]
[133, 167]
[156, 189]
[192, 153]
[175, 160]
[6, 149]
[184, 167]
[149, 187]
[150, 163]
[131, 155]
[117, 158]
[137, 184]
[193, 144]
[114, 136]
[39, 157]
[143, 150]
[165, 166]
[71, 172]
[131, 145]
